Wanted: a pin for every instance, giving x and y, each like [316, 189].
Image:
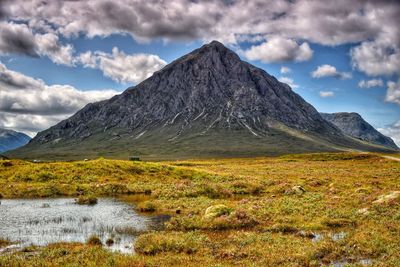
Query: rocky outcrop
[354, 125]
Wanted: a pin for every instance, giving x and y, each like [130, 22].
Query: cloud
[393, 92]
[19, 39]
[370, 83]
[329, 71]
[27, 123]
[326, 94]
[330, 23]
[285, 70]
[392, 131]
[294, 24]
[277, 49]
[121, 67]
[26, 102]
[376, 58]
[289, 81]
[48, 45]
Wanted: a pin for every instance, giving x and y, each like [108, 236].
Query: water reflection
[44, 221]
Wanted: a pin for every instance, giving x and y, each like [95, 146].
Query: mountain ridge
[352, 123]
[10, 139]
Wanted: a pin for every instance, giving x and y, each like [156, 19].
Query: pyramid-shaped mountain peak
[206, 103]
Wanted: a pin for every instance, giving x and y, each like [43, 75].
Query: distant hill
[354, 125]
[208, 103]
[11, 139]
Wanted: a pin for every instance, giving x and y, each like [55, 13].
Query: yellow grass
[270, 223]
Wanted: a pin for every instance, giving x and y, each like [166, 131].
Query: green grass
[258, 220]
[156, 144]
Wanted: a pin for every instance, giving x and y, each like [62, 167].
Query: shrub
[214, 191]
[46, 176]
[86, 200]
[155, 243]
[7, 164]
[115, 189]
[110, 242]
[4, 242]
[236, 220]
[242, 187]
[334, 223]
[94, 240]
[147, 206]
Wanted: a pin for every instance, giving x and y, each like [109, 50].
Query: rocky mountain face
[354, 125]
[11, 140]
[206, 103]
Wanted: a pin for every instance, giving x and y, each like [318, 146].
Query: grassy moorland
[295, 210]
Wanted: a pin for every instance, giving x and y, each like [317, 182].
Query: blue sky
[45, 52]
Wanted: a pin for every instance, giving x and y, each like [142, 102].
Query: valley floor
[295, 210]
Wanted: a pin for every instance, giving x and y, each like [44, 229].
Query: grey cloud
[323, 22]
[17, 38]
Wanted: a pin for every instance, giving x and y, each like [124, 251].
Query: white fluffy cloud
[121, 67]
[370, 83]
[393, 92]
[49, 45]
[393, 131]
[376, 58]
[26, 102]
[330, 71]
[278, 49]
[326, 94]
[289, 81]
[27, 123]
[285, 70]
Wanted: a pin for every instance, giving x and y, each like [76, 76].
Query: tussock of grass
[4, 242]
[147, 206]
[152, 244]
[94, 240]
[86, 200]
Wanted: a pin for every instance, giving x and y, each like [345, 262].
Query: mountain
[208, 103]
[354, 125]
[10, 140]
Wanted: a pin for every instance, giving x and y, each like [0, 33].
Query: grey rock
[210, 86]
[353, 124]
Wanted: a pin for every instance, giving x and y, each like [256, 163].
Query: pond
[43, 221]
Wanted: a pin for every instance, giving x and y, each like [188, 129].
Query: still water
[44, 221]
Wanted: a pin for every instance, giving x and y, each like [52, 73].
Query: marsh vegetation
[295, 210]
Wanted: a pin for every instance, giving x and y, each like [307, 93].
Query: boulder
[217, 211]
[383, 199]
[298, 189]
